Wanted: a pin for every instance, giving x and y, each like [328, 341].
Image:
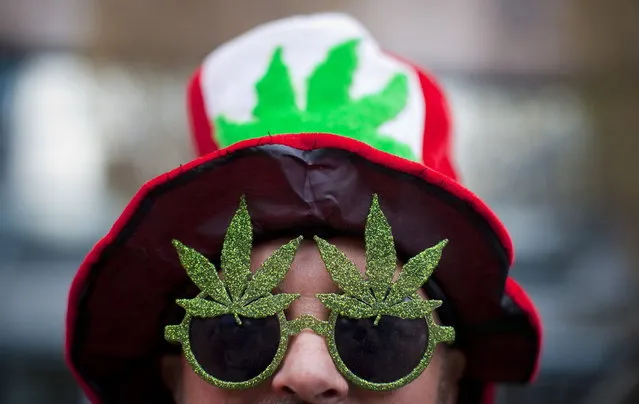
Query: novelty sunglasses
[380, 332]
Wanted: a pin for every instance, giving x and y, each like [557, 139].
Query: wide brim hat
[318, 170]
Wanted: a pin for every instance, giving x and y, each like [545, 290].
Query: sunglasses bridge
[307, 321]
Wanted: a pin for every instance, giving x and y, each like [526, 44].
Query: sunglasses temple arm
[443, 333]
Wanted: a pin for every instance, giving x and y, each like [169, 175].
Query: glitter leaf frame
[378, 295]
[239, 292]
[242, 293]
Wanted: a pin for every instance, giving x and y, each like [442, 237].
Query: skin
[307, 373]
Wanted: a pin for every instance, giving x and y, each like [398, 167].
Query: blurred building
[542, 92]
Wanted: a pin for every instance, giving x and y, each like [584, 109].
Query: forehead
[308, 274]
[308, 270]
[307, 255]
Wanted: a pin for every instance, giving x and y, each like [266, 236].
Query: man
[319, 251]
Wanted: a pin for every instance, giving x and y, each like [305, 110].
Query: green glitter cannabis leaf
[239, 292]
[329, 105]
[378, 295]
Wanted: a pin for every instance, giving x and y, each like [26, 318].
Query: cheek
[424, 389]
[194, 390]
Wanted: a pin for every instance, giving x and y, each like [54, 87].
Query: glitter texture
[347, 306]
[344, 273]
[415, 273]
[249, 295]
[389, 298]
[202, 273]
[436, 334]
[272, 271]
[202, 308]
[269, 305]
[238, 292]
[236, 252]
[306, 321]
[380, 251]
[180, 334]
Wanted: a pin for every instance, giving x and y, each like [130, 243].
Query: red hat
[307, 118]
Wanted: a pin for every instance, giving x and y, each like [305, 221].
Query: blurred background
[545, 98]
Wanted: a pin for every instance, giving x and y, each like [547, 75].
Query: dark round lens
[232, 352]
[381, 353]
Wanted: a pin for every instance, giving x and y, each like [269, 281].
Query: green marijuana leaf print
[329, 106]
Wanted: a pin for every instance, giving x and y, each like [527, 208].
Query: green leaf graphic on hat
[239, 292]
[329, 106]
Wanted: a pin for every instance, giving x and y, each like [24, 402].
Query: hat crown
[307, 74]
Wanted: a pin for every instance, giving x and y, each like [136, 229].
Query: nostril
[330, 393]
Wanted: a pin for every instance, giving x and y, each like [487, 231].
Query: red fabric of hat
[318, 121]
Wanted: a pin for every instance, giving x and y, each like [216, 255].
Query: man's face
[307, 373]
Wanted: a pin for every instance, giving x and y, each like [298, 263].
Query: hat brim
[126, 284]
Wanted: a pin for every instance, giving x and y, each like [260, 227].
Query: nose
[308, 372]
